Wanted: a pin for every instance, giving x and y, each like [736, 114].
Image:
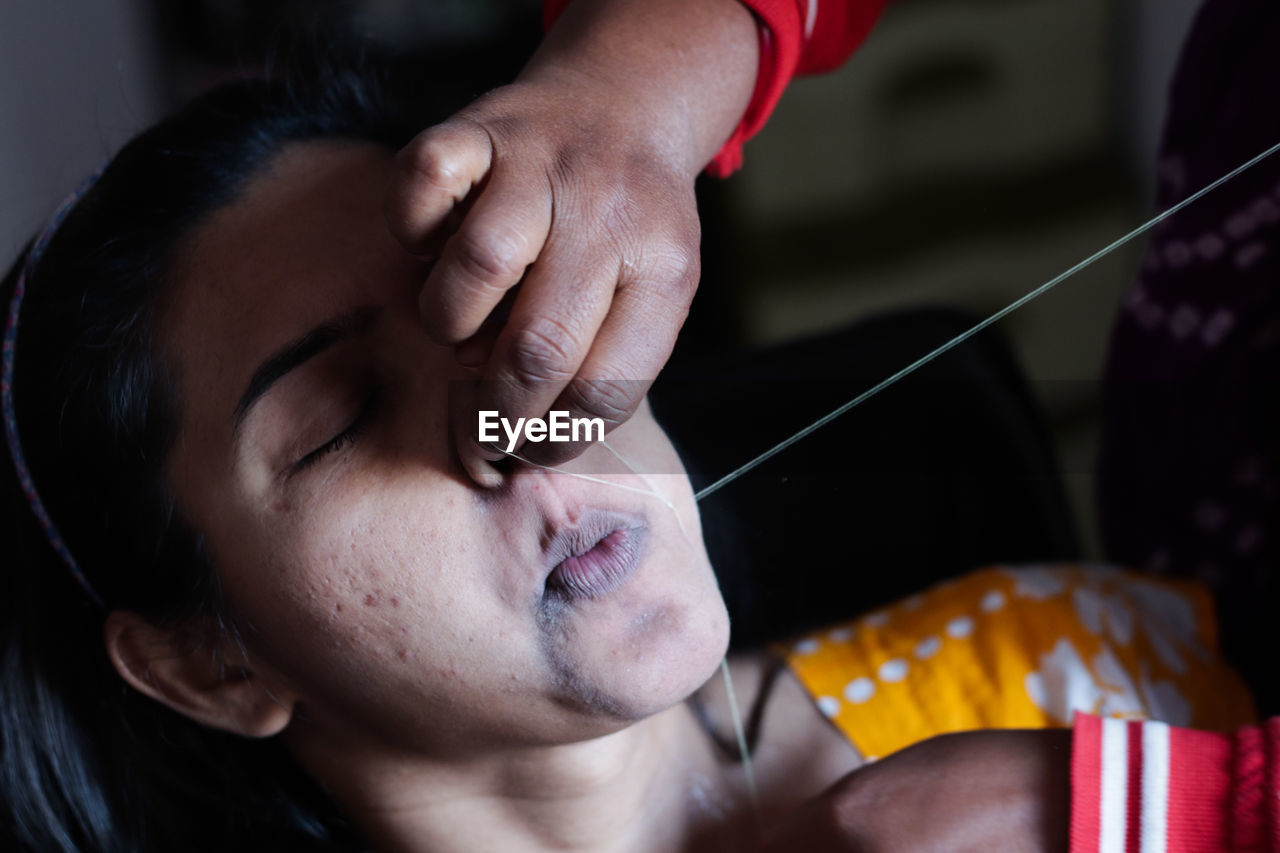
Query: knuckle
[491, 253]
[676, 265]
[425, 161]
[543, 351]
[612, 400]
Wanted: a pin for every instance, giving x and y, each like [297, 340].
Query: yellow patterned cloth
[1023, 648]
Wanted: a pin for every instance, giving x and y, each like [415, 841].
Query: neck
[654, 786]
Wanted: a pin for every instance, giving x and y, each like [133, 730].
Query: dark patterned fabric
[1189, 456]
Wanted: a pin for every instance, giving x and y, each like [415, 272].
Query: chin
[658, 660]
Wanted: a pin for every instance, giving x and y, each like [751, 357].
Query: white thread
[591, 479]
[740, 733]
[620, 457]
[634, 470]
[648, 492]
[964, 336]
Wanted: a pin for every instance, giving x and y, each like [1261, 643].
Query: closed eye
[347, 436]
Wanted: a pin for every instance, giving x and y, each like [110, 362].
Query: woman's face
[381, 592]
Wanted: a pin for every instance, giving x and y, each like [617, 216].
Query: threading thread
[964, 336]
[648, 492]
[636, 471]
[739, 732]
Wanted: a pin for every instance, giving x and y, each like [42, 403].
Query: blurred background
[969, 152]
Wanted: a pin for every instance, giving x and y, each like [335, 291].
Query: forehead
[302, 234]
[303, 241]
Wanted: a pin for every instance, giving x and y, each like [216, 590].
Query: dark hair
[87, 763]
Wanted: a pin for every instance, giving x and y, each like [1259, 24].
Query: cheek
[370, 581]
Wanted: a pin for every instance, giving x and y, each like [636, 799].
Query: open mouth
[595, 557]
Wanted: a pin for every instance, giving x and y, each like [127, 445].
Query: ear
[198, 671]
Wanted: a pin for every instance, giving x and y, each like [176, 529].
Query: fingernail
[484, 474]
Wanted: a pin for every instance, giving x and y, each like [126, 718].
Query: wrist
[672, 76]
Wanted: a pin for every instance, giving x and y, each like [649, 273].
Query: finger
[476, 461]
[433, 174]
[499, 238]
[627, 354]
[553, 321]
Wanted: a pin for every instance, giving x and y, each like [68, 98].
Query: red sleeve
[796, 37]
[1145, 786]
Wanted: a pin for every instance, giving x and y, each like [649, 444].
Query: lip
[594, 556]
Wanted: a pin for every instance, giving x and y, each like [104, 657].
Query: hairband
[6, 389]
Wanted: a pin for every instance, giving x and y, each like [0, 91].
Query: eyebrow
[299, 351]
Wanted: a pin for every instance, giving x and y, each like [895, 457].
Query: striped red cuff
[1147, 787]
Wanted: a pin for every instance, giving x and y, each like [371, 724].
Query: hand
[973, 791]
[566, 280]
[600, 234]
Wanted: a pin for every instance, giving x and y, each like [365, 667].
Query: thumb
[433, 175]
